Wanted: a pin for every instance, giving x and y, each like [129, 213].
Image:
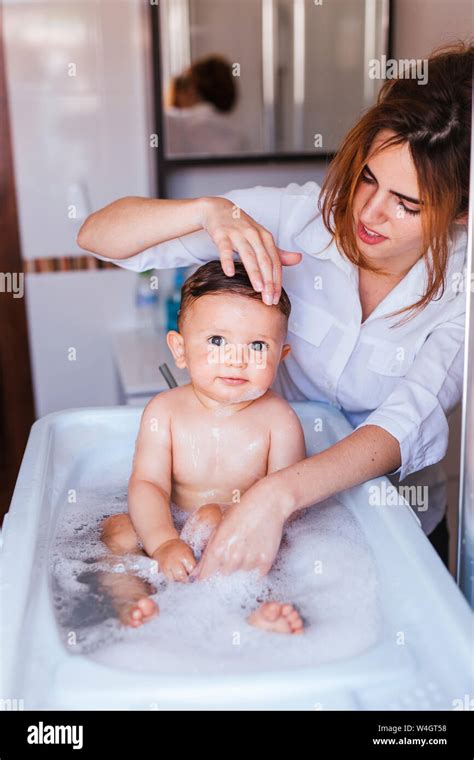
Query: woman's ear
[175, 343]
[462, 219]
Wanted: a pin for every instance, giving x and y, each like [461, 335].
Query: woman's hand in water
[247, 538]
[231, 229]
[175, 560]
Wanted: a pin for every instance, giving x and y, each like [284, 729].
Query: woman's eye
[370, 181]
[216, 340]
[407, 210]
[258, 345]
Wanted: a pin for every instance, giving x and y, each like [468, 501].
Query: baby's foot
[137, 612]
[277, 617]
[130, 597]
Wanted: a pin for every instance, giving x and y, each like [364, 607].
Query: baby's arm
[287, 444]
[149, 492]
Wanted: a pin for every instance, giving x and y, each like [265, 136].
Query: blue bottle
[174, 299]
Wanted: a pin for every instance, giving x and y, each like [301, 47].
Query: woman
[198, 118]
[377, 325]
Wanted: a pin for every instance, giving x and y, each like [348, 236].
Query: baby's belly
[193, 487]
[189, 499]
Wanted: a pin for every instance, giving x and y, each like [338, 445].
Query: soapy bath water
[324, 567]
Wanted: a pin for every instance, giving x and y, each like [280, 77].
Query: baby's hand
[175, 559]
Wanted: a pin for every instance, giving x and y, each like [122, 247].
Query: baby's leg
[119, 535]
[199, 527]
[130, 593]
[130, 596]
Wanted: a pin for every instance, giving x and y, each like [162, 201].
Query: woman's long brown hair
[435, 120]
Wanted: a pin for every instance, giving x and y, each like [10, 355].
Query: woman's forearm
[364, 454]
[131, 225]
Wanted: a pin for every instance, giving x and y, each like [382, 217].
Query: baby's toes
[297, 625]
[293, 618]
[140, 612]
[271, 611]
[132, 616]
[148, 607]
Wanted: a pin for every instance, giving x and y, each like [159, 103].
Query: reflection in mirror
[251, 77]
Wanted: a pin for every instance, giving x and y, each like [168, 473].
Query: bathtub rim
[39, 444]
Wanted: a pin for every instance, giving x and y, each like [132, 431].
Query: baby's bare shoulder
[276, 407]
[168, 402]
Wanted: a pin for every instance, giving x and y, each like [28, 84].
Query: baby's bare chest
[221, 451]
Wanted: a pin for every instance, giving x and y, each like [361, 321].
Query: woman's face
[382, 205]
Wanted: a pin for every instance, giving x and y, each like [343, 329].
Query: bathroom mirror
[241, 78]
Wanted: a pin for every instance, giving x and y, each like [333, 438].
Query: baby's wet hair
[210, 278]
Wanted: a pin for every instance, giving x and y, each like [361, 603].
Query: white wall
[71, 316]
[89, 131]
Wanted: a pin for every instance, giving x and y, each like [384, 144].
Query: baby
[202, 445]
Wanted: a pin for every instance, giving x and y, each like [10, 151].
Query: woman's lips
[367, 238]
[232, 380]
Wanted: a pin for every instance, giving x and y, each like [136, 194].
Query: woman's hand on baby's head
[175, 560]
[262, 259]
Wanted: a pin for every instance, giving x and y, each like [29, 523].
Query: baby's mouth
[232, 380]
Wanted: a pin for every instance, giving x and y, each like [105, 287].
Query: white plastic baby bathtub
[421, 660]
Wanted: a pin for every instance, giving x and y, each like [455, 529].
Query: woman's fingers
[226, 255]
[276, 265]
[250, 262]
[220, 559]
[210, 561]
[289, 258]
[195, 573]
[266, 259]
[261, 258]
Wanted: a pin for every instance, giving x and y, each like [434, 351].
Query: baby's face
[231, 346]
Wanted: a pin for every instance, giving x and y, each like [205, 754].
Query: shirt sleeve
[261, 203]
[416, 411]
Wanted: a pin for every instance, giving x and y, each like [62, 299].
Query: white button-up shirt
[404, 379]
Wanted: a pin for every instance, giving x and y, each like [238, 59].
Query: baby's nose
[236, 356]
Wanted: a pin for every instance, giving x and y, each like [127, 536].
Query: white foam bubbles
[324, 567]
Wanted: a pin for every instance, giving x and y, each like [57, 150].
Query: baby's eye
[258, 345]
[216, 340]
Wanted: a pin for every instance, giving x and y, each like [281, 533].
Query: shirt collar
[407, 291]
[316, 231]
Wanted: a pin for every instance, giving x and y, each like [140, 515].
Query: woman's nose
[374, 209]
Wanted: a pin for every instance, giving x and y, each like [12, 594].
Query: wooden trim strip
[45, 264]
